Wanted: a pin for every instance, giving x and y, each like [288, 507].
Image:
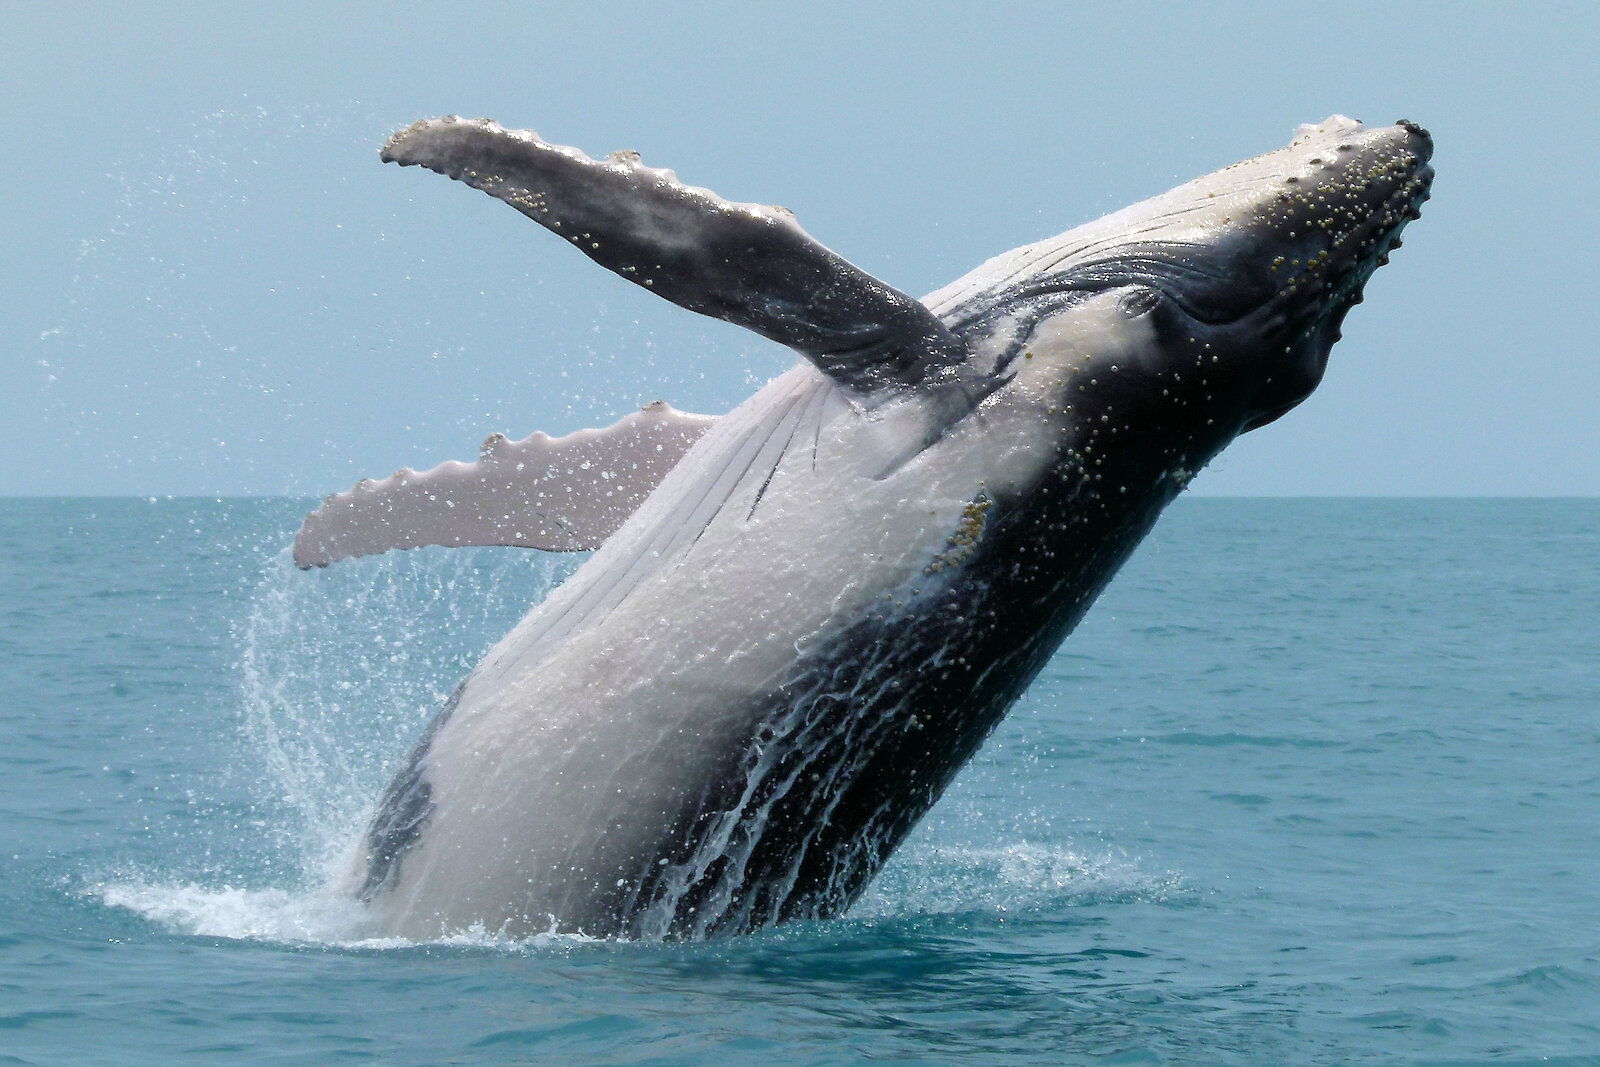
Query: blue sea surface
[1317, 781]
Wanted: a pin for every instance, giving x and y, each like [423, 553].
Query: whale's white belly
[587, 730]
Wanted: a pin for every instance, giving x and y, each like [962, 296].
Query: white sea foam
[277, 915]
[923, 880]
[341, 670]
[245, 914]
[930, 879]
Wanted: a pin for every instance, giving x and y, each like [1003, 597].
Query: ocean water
[1318, 781]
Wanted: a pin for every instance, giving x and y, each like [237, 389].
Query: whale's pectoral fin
[562, 494]
[744, 263]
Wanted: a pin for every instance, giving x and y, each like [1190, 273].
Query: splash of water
[278, 915]
[341, 669]
[922, 880]
[1025, 876]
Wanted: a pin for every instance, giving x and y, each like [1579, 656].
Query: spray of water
[339, 671]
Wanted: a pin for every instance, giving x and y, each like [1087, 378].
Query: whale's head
[1266, 257]
[1240, 280]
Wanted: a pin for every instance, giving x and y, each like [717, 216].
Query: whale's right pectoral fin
[747, 264]
[561, 494]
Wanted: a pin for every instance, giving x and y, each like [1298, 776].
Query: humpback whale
[802, 618]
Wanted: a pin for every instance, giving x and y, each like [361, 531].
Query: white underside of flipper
[561, 494]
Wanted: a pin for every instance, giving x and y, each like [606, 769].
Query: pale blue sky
[213, 286]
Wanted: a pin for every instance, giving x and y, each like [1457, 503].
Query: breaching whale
[802, 618]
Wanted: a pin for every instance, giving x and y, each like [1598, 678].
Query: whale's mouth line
[1168, 266]
[1269, 416]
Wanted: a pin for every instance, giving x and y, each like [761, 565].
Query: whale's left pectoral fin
[561, 494]
[747, 264]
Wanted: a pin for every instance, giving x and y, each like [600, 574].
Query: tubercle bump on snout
[1416, 130]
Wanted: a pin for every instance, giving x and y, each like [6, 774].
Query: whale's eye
[1139, 301]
